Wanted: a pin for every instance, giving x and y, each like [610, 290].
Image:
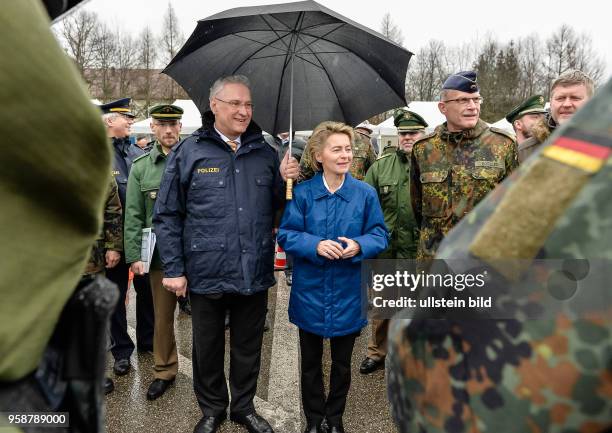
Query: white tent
[191, 119]
[428, 110]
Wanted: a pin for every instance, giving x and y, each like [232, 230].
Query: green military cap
[533, 104]
[406, 120]
[166, 112]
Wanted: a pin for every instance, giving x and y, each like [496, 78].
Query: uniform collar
[320, 190]
[156, 153]
[467, 134]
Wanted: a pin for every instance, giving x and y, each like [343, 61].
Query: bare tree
[561, 51]
[530, 53]
[78, 33]
[106, 59]
[126, 62]
[147, 58]
[587, 60]
[171, 40]
[427, 72]
[390, 30]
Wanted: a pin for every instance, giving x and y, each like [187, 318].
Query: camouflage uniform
[451, 172]
[111, 237]
[363, 158]
[548, 375]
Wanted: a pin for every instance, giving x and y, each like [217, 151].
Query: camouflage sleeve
[113, 220]
[415, 189]
[306, 171]
[512, 161]
[370, 156]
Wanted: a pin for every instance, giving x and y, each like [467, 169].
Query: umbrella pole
[289, 191]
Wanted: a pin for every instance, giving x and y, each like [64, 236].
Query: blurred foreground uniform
[52, 207]
[538, 375]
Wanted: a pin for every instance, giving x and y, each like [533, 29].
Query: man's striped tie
[233, 145]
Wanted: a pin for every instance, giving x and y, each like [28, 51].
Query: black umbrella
[305, 62]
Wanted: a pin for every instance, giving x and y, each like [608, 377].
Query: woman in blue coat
[333, 223]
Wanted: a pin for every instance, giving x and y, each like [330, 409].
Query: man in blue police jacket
[214, 220]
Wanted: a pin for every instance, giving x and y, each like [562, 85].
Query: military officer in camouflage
[106, 251]
[363, 157]
[525, 115]
[390, 177]
[143, 186]
[456, 166]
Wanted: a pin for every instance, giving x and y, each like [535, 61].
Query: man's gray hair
[443, 95]
[574, 77]
[109, 116]
[230, 79]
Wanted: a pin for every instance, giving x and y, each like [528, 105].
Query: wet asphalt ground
[278, 390]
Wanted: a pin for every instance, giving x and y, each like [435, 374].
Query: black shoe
[122, 366]
[209, 424]
[157, 388]
[109, 386]
[336, 429]
[184, 305]
[227, 319]
[253, 423]
[321, 427]
[370, 365]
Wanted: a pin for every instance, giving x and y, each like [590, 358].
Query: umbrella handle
[289, 190]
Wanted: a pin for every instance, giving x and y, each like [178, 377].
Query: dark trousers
[316, 406]
[248, 314]
[121, 343]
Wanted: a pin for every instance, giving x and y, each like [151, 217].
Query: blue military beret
[464, 81]
[121, 106]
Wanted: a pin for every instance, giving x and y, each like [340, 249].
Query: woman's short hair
[316, 142]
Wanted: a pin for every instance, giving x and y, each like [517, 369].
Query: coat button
[240, 209]
[244, 251]
[237, 170]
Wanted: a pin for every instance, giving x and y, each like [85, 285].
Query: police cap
[533, 104]
[121, 106]
[464, 81]
[166, 112]
[406, 120]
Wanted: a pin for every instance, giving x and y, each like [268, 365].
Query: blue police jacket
[326, 295]
[215, 211]
[124, 154]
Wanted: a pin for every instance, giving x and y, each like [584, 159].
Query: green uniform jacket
[390, 177]
[363, 158]
[143, 186]
[451, 173]
[111, 236]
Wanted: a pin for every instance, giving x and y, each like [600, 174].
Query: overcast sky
[452, 22]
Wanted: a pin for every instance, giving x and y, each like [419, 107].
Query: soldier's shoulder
[502, 132]
[384, 157]
[424, 139]
[140, 158]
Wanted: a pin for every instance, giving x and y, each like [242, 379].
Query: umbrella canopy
[341, 70]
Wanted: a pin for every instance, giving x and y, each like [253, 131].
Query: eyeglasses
[237, 104]
[466, 101]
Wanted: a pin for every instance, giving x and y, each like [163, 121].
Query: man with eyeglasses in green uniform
[456, 166]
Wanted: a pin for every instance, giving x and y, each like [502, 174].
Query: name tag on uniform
[489, 164]
[204, 170]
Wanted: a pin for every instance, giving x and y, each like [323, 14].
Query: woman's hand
[329, 249]
[352, 248]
